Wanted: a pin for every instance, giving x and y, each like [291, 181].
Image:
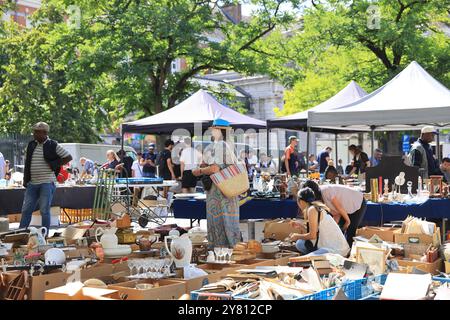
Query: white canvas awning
[351, 93]
[411, 99]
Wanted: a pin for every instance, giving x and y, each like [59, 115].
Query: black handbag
[207, 182]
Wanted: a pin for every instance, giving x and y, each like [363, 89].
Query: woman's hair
[314, 187]
[307, 194]
[116, 157]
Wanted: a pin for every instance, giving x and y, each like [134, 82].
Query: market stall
[199, 109]
[376, 214]
[74, 197]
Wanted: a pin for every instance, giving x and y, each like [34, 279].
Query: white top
[349, 198]
[137, 169]
[253, 160]
[191, 158]
[2, 166]
[331, 236]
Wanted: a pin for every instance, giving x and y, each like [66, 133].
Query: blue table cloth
[252, 209]
[376, 213]
[382, 212]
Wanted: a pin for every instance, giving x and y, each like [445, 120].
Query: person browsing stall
[323, 158]
[360, 160]
[421, 154]
[87, 166]
[222, 213]
[190, 158]
[43, 161]
[149, 163]
[289, 158]
[137, 167]
[347, 205]
[378, 154]
[322, 232]
[165, 165]
[112, 160]
[445, 169]
[312, 163]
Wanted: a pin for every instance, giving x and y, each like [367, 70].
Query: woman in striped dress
[222, 213]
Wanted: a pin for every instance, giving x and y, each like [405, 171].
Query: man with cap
[421, 154]
[149, 168]
[43, 161]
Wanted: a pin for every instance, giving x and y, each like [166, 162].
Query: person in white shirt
[2, 166]
[190, 159]
[347, 205]
[137, 166]
[322, 232]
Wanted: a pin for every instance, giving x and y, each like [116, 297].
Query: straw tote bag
[233, 180]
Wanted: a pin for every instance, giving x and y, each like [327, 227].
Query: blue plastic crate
[441, 279]
[326, 294]
[199, 295]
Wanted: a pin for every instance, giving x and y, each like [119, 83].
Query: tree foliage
[82, 72]
[341, 40]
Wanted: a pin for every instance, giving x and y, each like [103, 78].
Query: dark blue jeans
[37, 193]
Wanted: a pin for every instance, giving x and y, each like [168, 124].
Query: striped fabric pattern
[228, 173]
[40, 169]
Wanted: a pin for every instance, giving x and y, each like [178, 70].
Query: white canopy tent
[351, 93]
[410, 100]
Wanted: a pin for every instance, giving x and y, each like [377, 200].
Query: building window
[176, 66]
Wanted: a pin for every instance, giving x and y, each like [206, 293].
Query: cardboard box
[40, 284]
[13, 218]
[278, 229]
[167, 290]
[435, 239]
[100, 270]
[385, 233]
[408, 265]
[76, 291]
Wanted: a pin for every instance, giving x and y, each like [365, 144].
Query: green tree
[130, 47]
[344, 40]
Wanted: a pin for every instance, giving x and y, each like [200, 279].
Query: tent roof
[200, 108]
[411, 98]
[349, 94]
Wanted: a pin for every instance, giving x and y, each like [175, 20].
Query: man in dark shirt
[126, 162]
[165, 165]
[149, 168]
[323, 158]
[421, 154]
[360, 160]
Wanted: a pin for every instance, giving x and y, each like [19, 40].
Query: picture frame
[375, 258]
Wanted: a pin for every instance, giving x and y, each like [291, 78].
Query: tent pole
[308, 132]
[336, 149]
[278, 147]
[122, 134]
[372, 142]
[438, 147]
